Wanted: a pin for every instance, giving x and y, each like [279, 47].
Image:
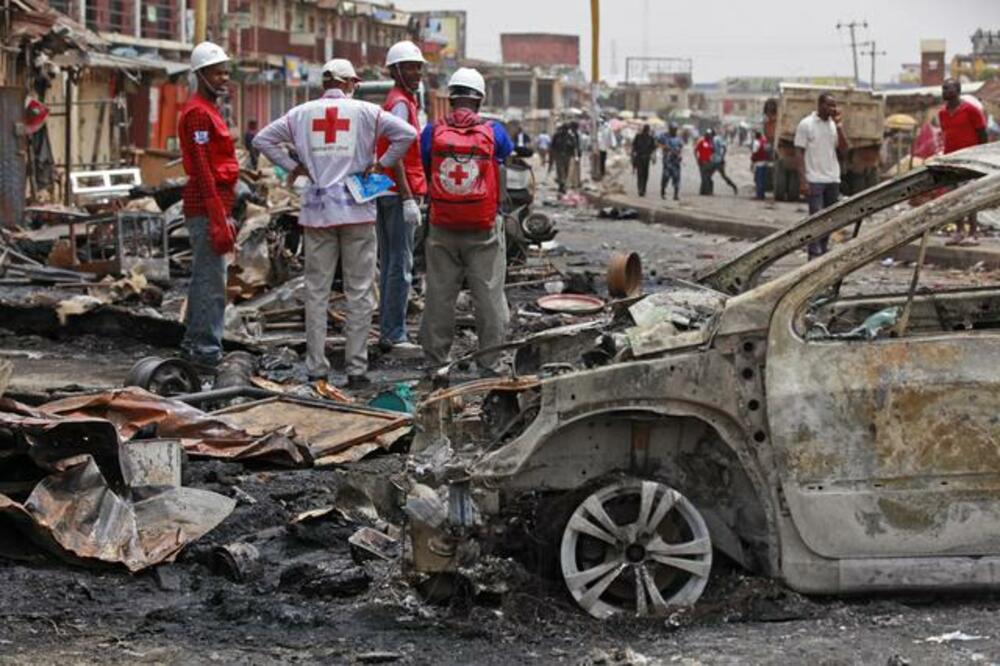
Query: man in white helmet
[399, 214]
[334, 137]
[210, 164]
[463, 157]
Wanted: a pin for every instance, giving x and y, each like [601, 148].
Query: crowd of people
[453, 166]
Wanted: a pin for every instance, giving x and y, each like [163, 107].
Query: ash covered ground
[306, 599]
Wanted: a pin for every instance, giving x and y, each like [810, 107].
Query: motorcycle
[522, 226]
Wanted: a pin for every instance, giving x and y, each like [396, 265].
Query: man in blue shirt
[672, 147]
[463, 158]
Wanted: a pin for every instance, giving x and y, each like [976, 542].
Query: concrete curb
[938, 253]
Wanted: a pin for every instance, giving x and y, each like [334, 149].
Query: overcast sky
[744, 38]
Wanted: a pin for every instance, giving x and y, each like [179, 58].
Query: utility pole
[645, 28]
[595, 78]
[854, 43]
[873, 54]
[200, 19]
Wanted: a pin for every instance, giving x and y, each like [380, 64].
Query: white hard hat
[405, 51]
[340, 69]
[466, 77]
[207, 54]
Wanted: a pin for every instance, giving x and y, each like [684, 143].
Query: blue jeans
[206, 308]
[671, 174]
[760, 179]
[395, 255]
[821, 195]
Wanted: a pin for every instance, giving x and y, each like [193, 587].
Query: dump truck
[863, 114]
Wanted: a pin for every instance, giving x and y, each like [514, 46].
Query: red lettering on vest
[331, 124]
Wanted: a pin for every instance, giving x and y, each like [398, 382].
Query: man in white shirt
[334, 137]
[605, 142]
[819, 143]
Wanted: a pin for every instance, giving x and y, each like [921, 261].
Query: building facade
[983, 63]
[932, 66]
[441, 36]
[537, 49]
[278, 48]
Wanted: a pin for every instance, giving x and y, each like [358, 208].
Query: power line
[854, 44]
[872, 53]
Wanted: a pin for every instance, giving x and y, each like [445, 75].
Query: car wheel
[636, 547]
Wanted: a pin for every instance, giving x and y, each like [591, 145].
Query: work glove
[221, 230]
[411, 212]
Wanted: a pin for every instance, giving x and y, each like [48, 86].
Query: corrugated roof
[110, 61]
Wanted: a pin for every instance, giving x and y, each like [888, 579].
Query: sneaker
[406, 349]
[357, 382]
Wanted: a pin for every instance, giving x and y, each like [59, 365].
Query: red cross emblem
[331, 124]
[458, 174]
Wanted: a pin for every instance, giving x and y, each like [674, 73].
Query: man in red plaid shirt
[210, 163]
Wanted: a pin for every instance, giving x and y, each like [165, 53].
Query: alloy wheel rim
[636, 547]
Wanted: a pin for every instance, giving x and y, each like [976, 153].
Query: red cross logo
[458, 174]
[331, 124]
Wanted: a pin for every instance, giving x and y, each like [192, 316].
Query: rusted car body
[771, 431]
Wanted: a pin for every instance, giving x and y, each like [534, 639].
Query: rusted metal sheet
[131, 409]
[78, 504]
[328, 430]
[12, 155]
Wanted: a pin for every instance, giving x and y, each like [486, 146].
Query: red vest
[221, 153]
[762, 154]
[412, 165]
[465, 185]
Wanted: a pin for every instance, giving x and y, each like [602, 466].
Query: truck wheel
[780, 182]
[871, 178]
[635, 547]
[792, 183]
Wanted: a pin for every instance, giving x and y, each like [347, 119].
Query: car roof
[740, 273]
[984, 158]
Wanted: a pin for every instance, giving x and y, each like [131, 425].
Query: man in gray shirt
[820, 142]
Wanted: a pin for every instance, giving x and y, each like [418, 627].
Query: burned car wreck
[839, 443]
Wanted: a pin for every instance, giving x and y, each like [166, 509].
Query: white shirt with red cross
[334, 137]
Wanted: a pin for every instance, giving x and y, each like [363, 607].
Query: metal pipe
[223, 394]
[68, 136]
[904, 319]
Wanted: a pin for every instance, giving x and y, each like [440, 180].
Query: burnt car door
[888, 446]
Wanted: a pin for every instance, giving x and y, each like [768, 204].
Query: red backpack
[464, 177]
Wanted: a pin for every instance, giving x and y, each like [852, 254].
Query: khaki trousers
[478, 257]
[355, 247]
